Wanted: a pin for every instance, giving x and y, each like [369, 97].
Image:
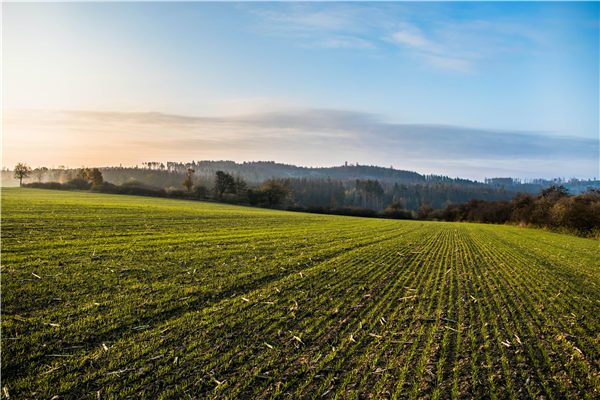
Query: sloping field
[129, 297]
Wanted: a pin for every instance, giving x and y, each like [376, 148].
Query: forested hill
[259, 171]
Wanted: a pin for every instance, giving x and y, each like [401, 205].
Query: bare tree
[21, 171]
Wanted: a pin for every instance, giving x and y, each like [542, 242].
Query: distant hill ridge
[262, 170]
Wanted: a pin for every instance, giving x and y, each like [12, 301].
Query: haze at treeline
[348, 185]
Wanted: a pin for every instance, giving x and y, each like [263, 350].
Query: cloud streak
[438, 40]
[305, 137]
[311, 26]
[433, 53]
[412, 39]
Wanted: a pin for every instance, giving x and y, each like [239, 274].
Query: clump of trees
[229, 188]
[40, 172]
[553, 208]
[272, 194]
[87, 178]
[396, 210]
[224, 183]
[371, 193]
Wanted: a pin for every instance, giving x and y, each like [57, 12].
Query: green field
[109, 296]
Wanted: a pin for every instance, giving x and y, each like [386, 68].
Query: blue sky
[493, 89]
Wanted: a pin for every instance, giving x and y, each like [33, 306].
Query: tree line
[343, 186]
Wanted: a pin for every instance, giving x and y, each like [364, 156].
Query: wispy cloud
[449, 63]
[412, 38]
[305, 137]
[302, 18]
[336, 27]
[346, 42]
[440, 42]
[432, 52]
[465, 45]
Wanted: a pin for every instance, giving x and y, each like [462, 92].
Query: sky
[461, 89]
